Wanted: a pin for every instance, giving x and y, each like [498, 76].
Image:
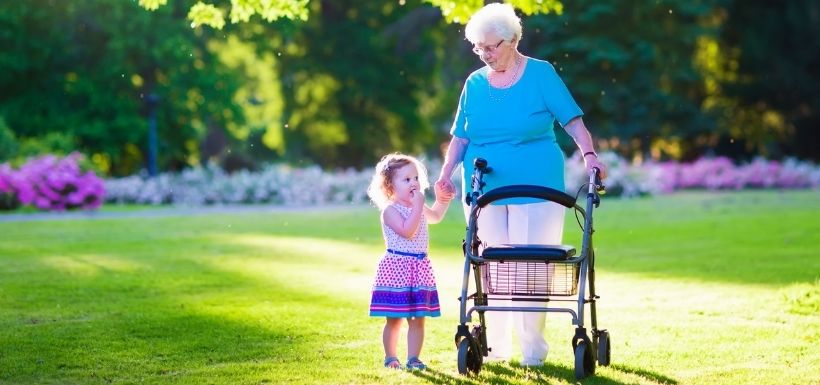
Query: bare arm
[454, 156]
[436, 213]
[579, 133]
[443, 197]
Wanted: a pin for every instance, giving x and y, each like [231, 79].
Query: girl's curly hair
[380, 190]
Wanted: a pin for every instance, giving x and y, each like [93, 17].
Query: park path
[170, 211]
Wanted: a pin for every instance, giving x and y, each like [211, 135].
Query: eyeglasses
[478, 50]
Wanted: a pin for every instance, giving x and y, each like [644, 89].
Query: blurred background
[139, 91]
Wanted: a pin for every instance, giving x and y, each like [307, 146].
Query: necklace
[501, 91]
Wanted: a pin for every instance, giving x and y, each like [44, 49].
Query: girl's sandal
[414, 363]
[392, 363]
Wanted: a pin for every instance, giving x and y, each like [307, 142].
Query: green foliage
[629, 67]
[363, 79]
[84, 70]
[8, 142]
[8, 201]
[669, 78]
[206, 14]
[270, 10]
[152, 5]
[242, 10]
[457, 11]
[260, 93]
[773, 95]
[213, 15]
[57, 143]
[460, 11]
[17, 151]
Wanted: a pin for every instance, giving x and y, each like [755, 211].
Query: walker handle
[596, 181]
[481, 168]
[596, 187]
[481, 165]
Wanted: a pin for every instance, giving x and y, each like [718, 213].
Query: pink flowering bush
[707, 173]
[720, 173]
[50, 183]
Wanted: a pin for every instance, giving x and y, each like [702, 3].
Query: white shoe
[493, 358]
[532, 363]
[536, 361]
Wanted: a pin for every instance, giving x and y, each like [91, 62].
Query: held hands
[445, 191]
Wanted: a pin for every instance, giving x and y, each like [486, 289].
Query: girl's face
[405, 183]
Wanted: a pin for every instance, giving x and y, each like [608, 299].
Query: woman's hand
[444, 193]
[591, 161]
[445, 186]
[454, 155]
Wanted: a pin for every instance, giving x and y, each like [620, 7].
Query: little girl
[405, 286]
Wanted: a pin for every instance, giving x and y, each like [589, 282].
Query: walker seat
[528, 253]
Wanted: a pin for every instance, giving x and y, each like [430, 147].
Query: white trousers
[539, 223]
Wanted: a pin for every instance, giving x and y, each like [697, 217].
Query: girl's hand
[443, 193]
[445, 185]
[417, 198]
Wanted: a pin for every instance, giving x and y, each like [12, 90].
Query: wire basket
[531, 278]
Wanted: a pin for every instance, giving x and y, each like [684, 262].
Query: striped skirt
[405, 287]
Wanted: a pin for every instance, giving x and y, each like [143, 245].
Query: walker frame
[553, 275]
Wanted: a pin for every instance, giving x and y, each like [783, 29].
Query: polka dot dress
[405, 283]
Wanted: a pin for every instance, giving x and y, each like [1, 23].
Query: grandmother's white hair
[494, 17]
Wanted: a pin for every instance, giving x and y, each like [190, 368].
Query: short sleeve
[557, 97]
[459, 123]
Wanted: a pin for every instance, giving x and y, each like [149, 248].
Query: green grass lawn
[697, 288]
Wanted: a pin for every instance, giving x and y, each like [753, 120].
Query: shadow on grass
[659, 378]
[148, 337]
[504, 374]
[97, 308]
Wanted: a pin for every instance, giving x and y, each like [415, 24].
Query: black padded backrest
[528, 191]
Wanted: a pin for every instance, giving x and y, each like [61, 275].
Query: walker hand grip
[481, 168]
[599, 185]
[481, 165]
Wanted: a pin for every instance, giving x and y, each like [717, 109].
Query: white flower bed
[277, 184]
[286, 185]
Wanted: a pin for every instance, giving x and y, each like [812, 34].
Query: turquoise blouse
[512, 128]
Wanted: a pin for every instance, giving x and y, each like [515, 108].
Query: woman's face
[495, 51]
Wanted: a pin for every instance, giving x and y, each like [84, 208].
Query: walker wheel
[469, 357]
[603, 348]
[584, 362]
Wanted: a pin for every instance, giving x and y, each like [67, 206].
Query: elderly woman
[506, 115]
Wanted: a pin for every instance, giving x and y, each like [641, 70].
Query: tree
[360, 78]
[629, 66]
[84, 69]
[770, 102]
[357, 85]
[213, 14]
